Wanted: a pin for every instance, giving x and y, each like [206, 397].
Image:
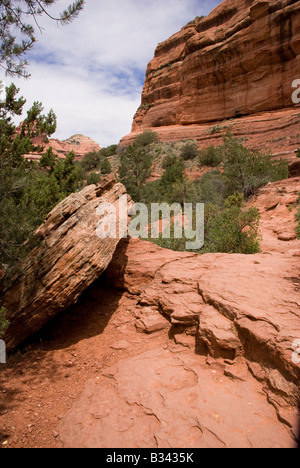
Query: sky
[92, 71]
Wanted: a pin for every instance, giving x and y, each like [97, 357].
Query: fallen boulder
[68, 260]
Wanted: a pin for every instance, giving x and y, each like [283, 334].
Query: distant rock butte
[239, 61]
[79, 144]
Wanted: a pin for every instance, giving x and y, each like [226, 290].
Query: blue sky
[92, 71]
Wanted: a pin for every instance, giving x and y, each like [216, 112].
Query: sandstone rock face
[232, 71]
[71, 257]
[242, 59]
[217, 332]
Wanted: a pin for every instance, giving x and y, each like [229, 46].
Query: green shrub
[93, 178]
[146, 138]
[135, 169]
[211, 156]
[109, 151]
[173, 173]
[91, 161]
[48, 159]
[105, 166]
[189, 150]
[233, 230]
[169, 161]
[212, 188]
[215, 129]
[247, 170]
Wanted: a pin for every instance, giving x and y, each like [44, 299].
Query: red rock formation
[239, 61]
[79, 144]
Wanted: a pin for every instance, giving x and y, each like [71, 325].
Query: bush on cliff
[247, 170]
[229, 226]
[91, 161]
[211, 156]
[189, 150]
[97, 160]
[105, 166]
[146, 138]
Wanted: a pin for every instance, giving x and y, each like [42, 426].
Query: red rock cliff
[240, 60]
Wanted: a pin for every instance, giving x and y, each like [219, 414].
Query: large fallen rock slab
[69, 258]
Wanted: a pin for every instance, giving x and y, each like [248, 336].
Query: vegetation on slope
[236, 173]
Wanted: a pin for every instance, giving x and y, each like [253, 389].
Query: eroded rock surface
[235, 305]
[165, 398]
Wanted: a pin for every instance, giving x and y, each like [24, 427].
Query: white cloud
[91, 72]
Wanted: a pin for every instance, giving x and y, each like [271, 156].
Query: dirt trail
[92, 380]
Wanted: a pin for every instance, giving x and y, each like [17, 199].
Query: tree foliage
[146, 138]
[229, 226]
[105, 166]
[247, 170]
[211, 156]
[18, 24]
[135, 165]
[233, 229]
[28, 190]
[189, 150]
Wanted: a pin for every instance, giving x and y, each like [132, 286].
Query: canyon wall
[240, 60]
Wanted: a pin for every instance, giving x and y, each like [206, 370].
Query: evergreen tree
[17, 36]
[135, 169]
[105, 166]
[247, 170]
[28, 191]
